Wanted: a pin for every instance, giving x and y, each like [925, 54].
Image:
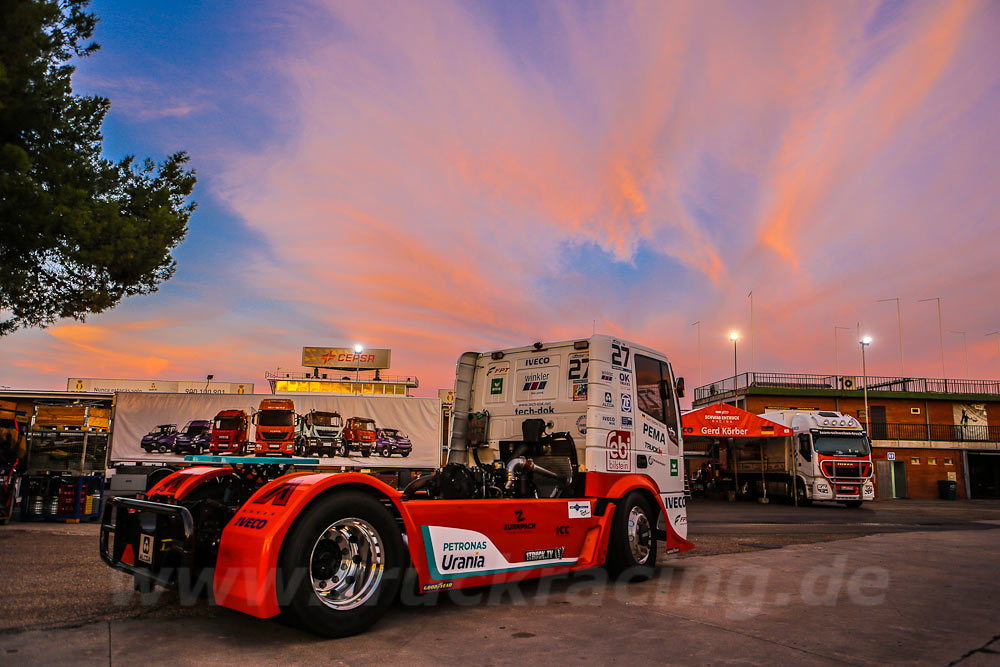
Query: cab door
[657, 429]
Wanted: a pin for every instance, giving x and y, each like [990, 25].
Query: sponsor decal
[453, 553]
[562, 530]
[673, 467]
[609, 400]
[581, 424]
[439, 586]
[536, 361]
[606, 376]
[248, 522]
[462, 561]
[496, 386]
[619, 445]
[673, 550]
[626, 422]
[540, 410]
[544, 554]
[501, 369]
[626, 402]
[625, 379]
[579, 509]
[579, 391]
[608, 420]
[652, 448]
[621, 355]
[278, 495]
[535, 381]
[520, 523]
[675, 502]
[654, 433]
[680, 519]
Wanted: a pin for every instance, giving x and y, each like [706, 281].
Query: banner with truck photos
[361, 431]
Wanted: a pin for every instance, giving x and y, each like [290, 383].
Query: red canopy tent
[726, 421]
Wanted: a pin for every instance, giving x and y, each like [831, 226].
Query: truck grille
[277, 435]
[847, 469]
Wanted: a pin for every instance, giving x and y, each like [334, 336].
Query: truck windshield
[393, 433]
[364, 425]
[195, 429]
[326, 419]
[274, 418]
[841, 446]
[227, 423]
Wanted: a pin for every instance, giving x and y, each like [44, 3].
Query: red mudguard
[182, 482]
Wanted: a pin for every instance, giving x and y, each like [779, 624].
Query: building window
[915, 460]
[948, 461]
[932, 460]
[914, 411]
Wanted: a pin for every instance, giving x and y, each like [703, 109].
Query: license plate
[146, 548]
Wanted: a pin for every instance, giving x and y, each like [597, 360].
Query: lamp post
[944, 376]
[358, 349]
[965, 346]
[865, 342]
[734, 336]
[701, 379]
[836, 351]
[899, 323]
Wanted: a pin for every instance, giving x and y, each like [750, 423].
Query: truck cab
[615, 401]
[275, 421]
[359, 435]
[230, 429]
[831, 455]
[321, 433]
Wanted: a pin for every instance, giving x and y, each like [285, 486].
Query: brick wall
[922, 478]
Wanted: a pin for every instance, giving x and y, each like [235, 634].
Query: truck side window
[804, 448]
[647, 387]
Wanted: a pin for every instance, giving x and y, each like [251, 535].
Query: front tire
[385, 452]
[366, 451]
[341, 565]
[632, 547]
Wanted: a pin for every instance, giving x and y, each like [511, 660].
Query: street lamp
[734, 336]
[358, 349]
[865, 342]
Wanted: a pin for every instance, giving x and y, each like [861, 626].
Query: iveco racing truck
[563, 456]
[830, 454]
[321, 433]
[275, 421]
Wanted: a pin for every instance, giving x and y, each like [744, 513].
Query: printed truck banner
[339, 430]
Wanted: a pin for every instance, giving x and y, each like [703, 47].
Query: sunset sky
[437, 177]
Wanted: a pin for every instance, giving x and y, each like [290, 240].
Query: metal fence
[876, 383]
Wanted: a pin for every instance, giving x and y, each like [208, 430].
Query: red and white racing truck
[563, 456]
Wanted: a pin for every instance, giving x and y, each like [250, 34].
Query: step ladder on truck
[563, 456]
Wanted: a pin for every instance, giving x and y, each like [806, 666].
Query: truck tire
[632, 545]
[162, 449]
[405, 454]
[385, 452]
[800, 488]
[366, 451]
[341, 449]
[340, 540]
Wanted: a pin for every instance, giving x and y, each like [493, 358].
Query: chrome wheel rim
[639, 535]
[346, 564]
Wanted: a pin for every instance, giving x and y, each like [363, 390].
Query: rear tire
[632, 545]
[321, 590]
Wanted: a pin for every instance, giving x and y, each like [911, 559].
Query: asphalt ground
[916, 582]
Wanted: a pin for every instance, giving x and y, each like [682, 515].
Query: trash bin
[947, 489]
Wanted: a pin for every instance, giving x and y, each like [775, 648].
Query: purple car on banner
[391, 441]
[160, 439]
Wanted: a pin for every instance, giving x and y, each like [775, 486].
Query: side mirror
[680, 387]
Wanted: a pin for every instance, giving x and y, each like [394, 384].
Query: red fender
[182, 482]
[616, 486]
[245, 572]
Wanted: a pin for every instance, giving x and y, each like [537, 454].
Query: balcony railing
[936, 432]
[728, 387]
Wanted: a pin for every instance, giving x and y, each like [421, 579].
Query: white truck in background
[829, 453]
